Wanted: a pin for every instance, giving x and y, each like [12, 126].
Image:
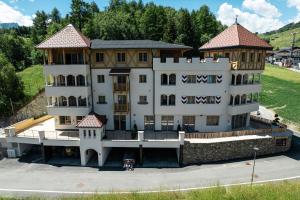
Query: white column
[65, 80]
[67, 101]
[75, 80]
[235, 79]
[85, 80]
[77, 101]
[233, 100]
[242, 79]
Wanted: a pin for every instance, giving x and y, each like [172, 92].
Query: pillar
[235, 77]
[180, 155]
[141, 154]
[65, 80]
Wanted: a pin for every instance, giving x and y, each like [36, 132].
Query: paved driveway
[18, 178]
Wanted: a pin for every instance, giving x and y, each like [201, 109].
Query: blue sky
[256, 15]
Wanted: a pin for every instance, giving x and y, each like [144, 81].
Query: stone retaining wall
[195, 153]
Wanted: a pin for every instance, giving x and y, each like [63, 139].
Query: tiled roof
[236, 36]
[92, 120]
[135, 44]
[68, 37]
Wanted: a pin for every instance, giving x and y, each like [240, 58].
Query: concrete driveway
[19, 178]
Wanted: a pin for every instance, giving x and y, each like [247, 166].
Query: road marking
[151, 191]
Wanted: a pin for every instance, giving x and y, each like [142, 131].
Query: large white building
[105, 89]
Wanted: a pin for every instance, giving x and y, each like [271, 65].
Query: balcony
[121, 87]
[247, 88]
[68, 110]
[66, 69]
[243, 108]
[121, 107]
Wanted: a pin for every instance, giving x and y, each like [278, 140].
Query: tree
[55, 16]
[39, 29]
[185, 28]
[170, 33]
[94, 8]
[206, 25]
[11, 87]
[153, 22]
[79, 13]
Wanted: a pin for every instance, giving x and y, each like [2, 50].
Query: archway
[91, 157]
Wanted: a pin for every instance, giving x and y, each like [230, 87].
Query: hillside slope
[282, 39]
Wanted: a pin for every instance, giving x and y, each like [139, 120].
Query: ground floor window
[64, 120]
[212, 120]
[281, 142]
[149, 122]
[167, 123]
[188, 123]
[239, 121]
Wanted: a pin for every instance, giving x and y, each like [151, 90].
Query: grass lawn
[281, 93]
[33, 80]
[278, 191]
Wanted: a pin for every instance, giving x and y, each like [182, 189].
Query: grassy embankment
[281, 93]
[33, 80]
[279, 191]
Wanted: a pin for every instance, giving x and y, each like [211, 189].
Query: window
[101, 100]
[172, 100]
[191, 78]
[172, 79]
[163, 100]
[212, 120]
[188, 123]
[80, 80]
[121, 57]
[149, 122]
[252, 57]
[100, 79]
[281, 142]
[164, 79]
[167, 123]
[70, 80]
[244, 56]
[81, 101]
[84, 133]
[143, 78]
[64, 120]
[190, 99]
[210, 99]
[94, 133]
[90, 133]
[259, 57]
[62, 101]
[72, 101]
[79, 118]
[143, 57]
[99, 57]
[211, 79]
[143, 100]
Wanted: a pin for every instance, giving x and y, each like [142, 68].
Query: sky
[256, 15]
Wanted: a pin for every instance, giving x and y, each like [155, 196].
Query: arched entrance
[91, 157]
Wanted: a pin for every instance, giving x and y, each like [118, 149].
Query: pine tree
[55, 16]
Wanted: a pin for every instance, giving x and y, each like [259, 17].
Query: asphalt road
[22, 179]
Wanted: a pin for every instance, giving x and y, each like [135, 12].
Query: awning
[119, 71]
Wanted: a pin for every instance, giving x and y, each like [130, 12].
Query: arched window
[172, 79]
[245, 79]
[231, 100]
[81, 101]
[72, 101]
[239, 79]
[80, 80]
[232, 79]
[164, 79]
[70, 80]
[237, 100]
[61, 80]
[243, 99]
[172, 100]
[163, 100]
[62, 101]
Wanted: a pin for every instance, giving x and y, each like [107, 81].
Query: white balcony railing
[243, 108]
[66, 69]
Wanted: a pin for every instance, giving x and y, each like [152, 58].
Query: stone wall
[195, 153]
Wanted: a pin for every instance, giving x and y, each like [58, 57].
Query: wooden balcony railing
[121, 107]
[121, 87]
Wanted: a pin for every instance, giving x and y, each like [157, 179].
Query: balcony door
[122, 99]
[121, 79]
[120, 122]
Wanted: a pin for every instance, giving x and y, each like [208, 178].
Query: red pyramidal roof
[236, 36]
[92, 120]
[68, 37]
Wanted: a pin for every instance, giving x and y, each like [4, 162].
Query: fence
[263, 131]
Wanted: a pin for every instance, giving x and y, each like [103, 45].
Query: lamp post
[252, 176]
